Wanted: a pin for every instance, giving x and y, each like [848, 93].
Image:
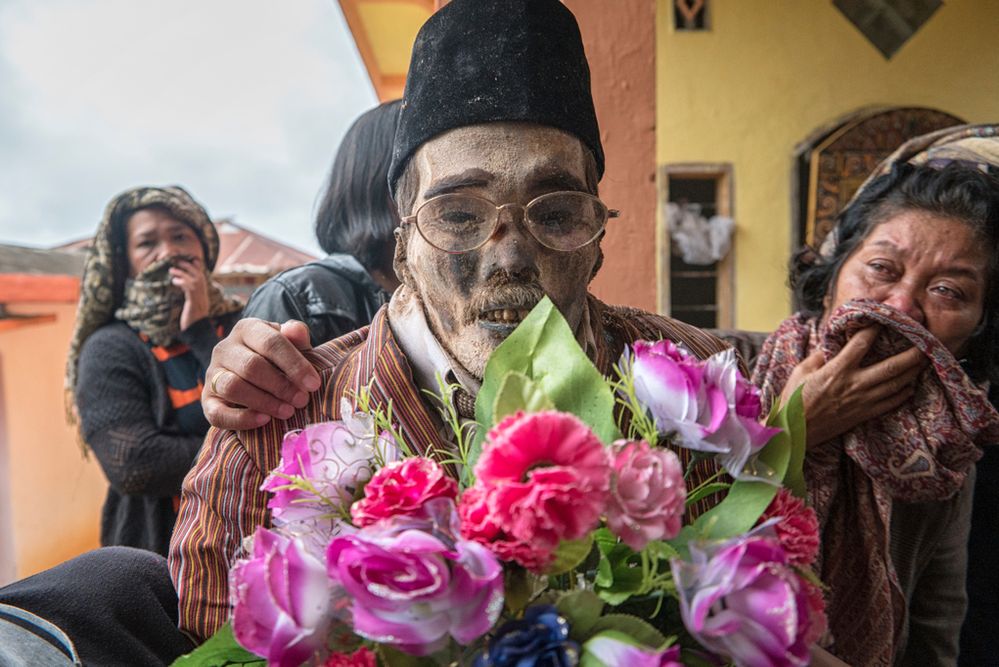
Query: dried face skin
[474, 300]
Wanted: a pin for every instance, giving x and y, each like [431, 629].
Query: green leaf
[392, 657]
[569, 554]
[221, 650]
[519, 392]
[605, 539]
[746, 500]
[706, 490]
[792, 419]
[631, 626]
[661, 550]
[544, 349]
[582, 610]
[520, 587]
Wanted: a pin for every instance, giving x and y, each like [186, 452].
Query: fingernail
[286, 411]
[311, 383]
[262, 419]
[300, 399]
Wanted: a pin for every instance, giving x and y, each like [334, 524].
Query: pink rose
[670, 383]
[615, 648]
[543, 477]
[402, 489]
[740, 435]
[280, 601]
[411, 583]
[706, 405]
[336, 458]
[647, 494]
[797, 527]
[741, 599]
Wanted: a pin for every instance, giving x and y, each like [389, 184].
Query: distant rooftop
[38, 261]
[243, 251]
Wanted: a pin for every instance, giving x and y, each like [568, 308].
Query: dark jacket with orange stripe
[130, 423]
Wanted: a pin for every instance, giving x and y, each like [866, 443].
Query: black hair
[356, 214]
[955, 191]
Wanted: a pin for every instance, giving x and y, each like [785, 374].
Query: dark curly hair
[955, 191]
[356, 214]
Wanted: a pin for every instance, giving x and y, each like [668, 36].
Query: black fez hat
[481, 61]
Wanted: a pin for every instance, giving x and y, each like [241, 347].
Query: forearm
[221, 504]
[139, 459]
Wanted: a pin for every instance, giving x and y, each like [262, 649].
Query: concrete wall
[619, 37]
[50, 497]
[769, 73]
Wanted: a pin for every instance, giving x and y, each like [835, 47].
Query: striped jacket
[222, 503]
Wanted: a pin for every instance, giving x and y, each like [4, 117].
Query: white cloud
[241, 101]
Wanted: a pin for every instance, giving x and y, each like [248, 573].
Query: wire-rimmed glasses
[459, 222]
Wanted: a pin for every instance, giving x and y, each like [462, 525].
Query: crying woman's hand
[188, 273]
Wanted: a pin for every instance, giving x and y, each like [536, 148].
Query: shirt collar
[426, 355]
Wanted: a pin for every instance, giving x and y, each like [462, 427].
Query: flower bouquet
[558, 530]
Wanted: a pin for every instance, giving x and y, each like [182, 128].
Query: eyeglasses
[563, 221]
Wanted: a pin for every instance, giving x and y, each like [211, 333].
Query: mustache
[503, 291]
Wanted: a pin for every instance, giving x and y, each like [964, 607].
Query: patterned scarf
[920, 452]
[146, 303]
[152, 304]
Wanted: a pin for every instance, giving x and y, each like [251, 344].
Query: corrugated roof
[245, 251]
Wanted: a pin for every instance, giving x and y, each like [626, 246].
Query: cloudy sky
[241, 101]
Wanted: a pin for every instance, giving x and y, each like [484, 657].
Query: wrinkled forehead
[513, 159]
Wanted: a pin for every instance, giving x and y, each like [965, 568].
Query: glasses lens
[456, 223]
[566, 220]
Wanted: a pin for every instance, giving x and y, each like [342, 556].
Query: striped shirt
[222, 503]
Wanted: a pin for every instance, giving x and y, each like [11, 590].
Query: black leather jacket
[332, 296]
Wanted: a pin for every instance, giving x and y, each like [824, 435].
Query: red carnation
[797, 527]
[362, 657]
[401, 489]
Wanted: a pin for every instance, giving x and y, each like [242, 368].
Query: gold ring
[215, 378]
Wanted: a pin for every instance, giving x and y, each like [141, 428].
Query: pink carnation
[543, 478]
[647, 494]
[401, 489]
[797, 527]
[362, 657]
[478, 525]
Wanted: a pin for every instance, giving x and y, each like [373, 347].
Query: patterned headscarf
[974, 146]
[105, 274]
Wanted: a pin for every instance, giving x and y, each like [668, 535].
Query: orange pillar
[620, 41]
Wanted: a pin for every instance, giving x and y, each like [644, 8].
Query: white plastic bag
[700, 240]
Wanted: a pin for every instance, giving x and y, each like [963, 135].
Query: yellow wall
[769, 73]
[51, 496]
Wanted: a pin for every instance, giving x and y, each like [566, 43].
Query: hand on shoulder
[258, 373]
